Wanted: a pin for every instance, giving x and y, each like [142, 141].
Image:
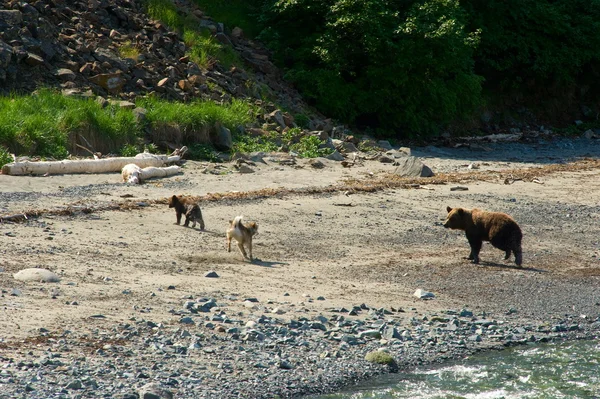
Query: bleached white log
[103, 165]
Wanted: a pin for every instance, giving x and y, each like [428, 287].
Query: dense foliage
[412, 66]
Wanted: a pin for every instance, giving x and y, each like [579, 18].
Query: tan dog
[189, 208]
[242, 234]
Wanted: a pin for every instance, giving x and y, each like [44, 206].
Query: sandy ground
[375, 248]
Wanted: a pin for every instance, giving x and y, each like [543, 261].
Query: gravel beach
[145, 308]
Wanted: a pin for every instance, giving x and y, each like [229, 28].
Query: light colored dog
[131, 173]
[243, 235]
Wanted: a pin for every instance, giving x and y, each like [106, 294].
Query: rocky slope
[77, 46]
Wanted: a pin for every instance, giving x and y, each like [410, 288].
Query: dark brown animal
[243, 235]
[186, 206]
[499, 229]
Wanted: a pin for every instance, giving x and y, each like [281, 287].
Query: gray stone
[384, 144]
[346, 147]
[154, 391]
[211, 274]
[475, 338]
[126, 105]
[6, 52]
[422, 294]
[285, 365]
[75, 384]
[33, 59]
[315, 163]
[112, 82]
[370, 333]
[65, 74]
[11, 17]
[412, 167]
[276, 116]
[390, 332]
[36, 274]
[243, 168]
[335, 156]
[222, 139]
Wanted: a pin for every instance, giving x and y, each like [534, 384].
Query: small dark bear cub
[499, 229]
[189, 208]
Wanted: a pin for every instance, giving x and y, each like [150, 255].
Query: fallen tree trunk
[104, 165]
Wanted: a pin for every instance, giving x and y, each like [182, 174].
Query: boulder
[221, 138]
[412, 167]
[113, 82]
[154, 391]
[36, 274]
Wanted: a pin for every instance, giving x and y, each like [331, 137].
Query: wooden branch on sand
[103, 165]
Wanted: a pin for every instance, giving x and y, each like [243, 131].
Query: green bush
[308, 147]
[129, 150]
[531, 43]
[202, 152]
[403, 66]
[5, 156]
[247, 144]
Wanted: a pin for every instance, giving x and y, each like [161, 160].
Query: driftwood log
[103, 165]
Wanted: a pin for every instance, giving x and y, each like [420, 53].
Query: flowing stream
[549, 371]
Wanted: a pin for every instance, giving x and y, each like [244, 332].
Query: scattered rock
[244, 168]
[422, 294]
[335, 156]
[35, 274]
[211, 274]
[154, 391]
[412, 167]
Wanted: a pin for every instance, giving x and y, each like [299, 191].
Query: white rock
[36, 274]
[422, 294]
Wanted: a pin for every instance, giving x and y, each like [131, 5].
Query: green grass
[47, 123]
[40, 124]
[128, 50]
[197, 114]
[204, 50]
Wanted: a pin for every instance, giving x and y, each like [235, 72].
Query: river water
[569, 370]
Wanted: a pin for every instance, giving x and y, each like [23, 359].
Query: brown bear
[186, 206]
[498, 228]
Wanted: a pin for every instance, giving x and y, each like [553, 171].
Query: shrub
[380, 357]
[308, 147]
[129, 150]
[202, 152]
[5, 156]
[405, 66]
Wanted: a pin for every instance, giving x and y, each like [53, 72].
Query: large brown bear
[498, 228]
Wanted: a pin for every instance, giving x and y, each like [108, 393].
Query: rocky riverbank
[148, 309]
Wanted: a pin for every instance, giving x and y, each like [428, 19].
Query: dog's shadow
[508, 266]
[266, 263]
